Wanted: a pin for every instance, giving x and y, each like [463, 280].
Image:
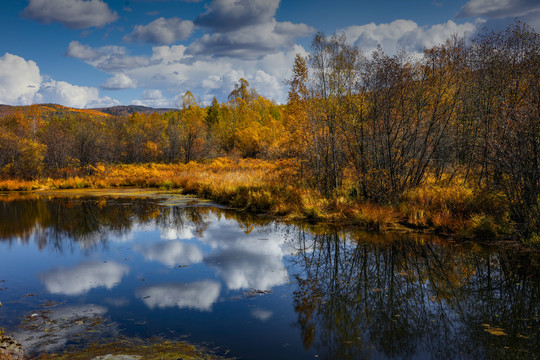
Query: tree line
[374, 124]
[388, 123]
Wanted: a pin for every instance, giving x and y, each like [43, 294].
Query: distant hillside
[49, 110]
[130, 109]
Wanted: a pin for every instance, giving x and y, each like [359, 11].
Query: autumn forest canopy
[370, 126]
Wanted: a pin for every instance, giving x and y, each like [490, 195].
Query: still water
[80, 269]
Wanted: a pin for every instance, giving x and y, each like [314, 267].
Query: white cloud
[154, 98]
[75, 14]
[118, 82]
[168, 54]
[420, 38]
[250, 42]
[19, 80]
[172, 253]
[405, 34]
[106, 58]
[498, 8]
[161, 31]
[271, 85]
[22, 84]
[289, 29]
[152, 94]
[245, 29]
[84, 52]
[200, 295]
[83, 277]
[174, 72]
[61, 92]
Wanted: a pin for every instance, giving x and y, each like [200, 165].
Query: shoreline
[178, 197]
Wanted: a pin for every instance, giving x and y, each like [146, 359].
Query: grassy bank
[275, 189]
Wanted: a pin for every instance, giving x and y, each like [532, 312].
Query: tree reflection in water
[366, 296]
[357, 295]
[57, 221]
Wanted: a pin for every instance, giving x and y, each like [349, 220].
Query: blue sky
[94, 53]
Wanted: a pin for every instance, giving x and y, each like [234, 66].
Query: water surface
[78, 269]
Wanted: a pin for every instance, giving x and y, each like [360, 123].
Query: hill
[130, 109]
[51, 110]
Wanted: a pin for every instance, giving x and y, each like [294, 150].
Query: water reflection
[245, 270]
[172, 253]
[262, 314]
[80, 279]
[409, 297]
[247, 259]
[53, 220]
[200, 295]
[182, 233]
[352, 295]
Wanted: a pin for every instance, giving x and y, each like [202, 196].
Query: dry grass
[454, 207]
[273, 188]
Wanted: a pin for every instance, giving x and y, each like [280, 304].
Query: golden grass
[273, 188]
[454, 207]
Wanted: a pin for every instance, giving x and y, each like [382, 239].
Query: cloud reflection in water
[80, 279]
[200, 295]
[245, 261]
[172, 253]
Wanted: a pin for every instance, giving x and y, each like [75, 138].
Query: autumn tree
[509, 67]
[21, 155]
[192, 129]
[295, 140]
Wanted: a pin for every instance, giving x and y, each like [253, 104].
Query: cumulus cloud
[245, 29]
[22, 84]
[106, 58]
[172, 253]
[61, 92]
[161, 31]
[172, 70]
[83, 277]
[208, 77]
[75, 14]
[200, 295]
[228, 15]
[152, 94]
[19, 80]
[420, 38]
[498, 8]
[252, 42]
[118, 82]
[154, 98]
[405, 34]
[168, 54]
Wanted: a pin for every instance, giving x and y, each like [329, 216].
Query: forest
[447, 141]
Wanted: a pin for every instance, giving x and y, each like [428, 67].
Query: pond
[76, 269]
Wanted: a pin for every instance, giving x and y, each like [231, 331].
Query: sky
[99, 53]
